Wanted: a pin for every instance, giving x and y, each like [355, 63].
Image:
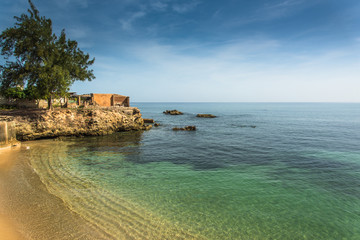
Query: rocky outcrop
[205, 116]
[148, 120]
[36, 124]
[187, 128]
[172, 112]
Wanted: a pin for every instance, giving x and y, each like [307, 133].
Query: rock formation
[187, 128]
[36, 124]
[206, 116]
[172, 112]
[148, 120]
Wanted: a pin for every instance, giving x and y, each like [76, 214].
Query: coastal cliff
[37, 124]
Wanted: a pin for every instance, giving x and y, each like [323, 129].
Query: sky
[212, 51]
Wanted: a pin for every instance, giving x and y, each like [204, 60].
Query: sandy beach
[8, 229]
[28, 210]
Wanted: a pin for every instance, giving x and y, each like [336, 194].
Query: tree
[39, 62]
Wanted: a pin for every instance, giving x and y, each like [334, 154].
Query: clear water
[295, 175]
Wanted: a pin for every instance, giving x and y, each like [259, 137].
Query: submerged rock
[172, 112]
[148, 127]
[187, 128]
[249, 126]
[205, 116]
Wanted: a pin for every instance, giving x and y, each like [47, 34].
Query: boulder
[148, 120]
[172, 112]
[206, 116]
[187, 128]
[148, 127]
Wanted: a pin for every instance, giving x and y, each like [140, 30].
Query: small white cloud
[126, 24]
[159, 5]
[274, 10]
[281, 9]
[287, 3]
[186, 7]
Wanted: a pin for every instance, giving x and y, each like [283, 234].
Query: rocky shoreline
[34, 124]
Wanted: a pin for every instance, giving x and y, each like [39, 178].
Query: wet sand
[7, 230]
[28, 210]
[7, 227]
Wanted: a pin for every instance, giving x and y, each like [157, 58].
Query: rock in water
[172, 112]
[148, 120]
[206, 116]
[187, 128]
[250, 126]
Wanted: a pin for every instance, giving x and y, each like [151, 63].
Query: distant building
[73, 101]
[110, 100]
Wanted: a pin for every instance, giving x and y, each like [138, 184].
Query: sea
[256, 171]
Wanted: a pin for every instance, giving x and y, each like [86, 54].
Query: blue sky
[218, 51]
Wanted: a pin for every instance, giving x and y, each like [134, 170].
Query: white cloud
[274, 10]
[280, 9]
[127, 23]
[237, 71]
[159, 5]
[185, 7]
[285, 4]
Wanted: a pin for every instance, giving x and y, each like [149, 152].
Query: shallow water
[257, 171]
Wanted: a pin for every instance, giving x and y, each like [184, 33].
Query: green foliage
[31, 92]
[15, 92]
[18, 93]
[40, 62]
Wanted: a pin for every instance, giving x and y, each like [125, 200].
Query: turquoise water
[296, 175]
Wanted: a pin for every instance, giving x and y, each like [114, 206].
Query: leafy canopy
[38, 62]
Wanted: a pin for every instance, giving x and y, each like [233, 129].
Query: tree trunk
[50, 103]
